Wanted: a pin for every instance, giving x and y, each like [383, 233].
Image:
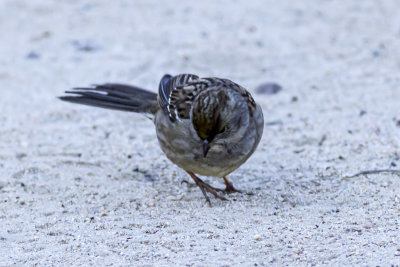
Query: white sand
[81, 185]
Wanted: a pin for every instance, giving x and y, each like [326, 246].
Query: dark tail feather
[115, 96]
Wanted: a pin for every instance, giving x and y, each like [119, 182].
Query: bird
[206, 126]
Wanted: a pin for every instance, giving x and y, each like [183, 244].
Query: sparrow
[206, 126]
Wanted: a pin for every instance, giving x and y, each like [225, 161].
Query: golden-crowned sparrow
[206, 126]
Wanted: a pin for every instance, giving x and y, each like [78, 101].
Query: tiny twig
[322, 140]
[372, 172]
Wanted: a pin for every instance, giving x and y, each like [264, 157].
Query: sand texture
[87, 186]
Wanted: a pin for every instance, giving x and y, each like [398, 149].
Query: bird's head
[210, 115]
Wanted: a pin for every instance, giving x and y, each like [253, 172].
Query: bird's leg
[204, 187]
[229, 187]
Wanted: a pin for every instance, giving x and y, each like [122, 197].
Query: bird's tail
[115, 96]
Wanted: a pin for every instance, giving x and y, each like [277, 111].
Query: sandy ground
[81, 185]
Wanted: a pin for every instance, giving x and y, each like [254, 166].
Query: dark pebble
[20, 155]
[376, 53]
[33, 55]
[149, 177]
[85, 46]
[268, 88]
[362, 113]
[277, 122]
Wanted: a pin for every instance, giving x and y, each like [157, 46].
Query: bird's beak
[206, 147]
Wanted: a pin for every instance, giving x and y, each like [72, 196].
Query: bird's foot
[229, 188]
[206, 188]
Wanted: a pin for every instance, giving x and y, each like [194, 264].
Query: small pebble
[277, 122]
[149, 177]
[33, 55]
[268, 88]
[20, 155]
[257, 237]
[85, 46]
[376, 53]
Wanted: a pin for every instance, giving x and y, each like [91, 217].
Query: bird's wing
[174, 96]
[176, 93]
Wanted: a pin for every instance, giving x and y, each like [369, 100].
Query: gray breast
[182, 146]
